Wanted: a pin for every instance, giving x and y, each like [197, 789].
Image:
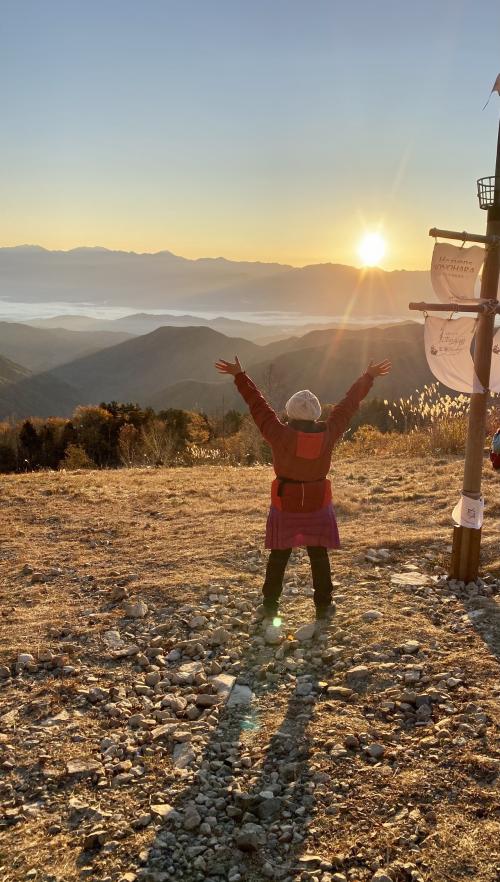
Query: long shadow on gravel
[246, 813]
[483, 612]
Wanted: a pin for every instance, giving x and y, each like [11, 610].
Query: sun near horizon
[372, 249]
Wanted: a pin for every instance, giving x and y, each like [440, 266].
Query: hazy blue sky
[263, 129]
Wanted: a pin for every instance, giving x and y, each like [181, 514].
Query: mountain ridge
[155, 369]
[40, 349]
[165, 280]
[174, 367]
[23, 394]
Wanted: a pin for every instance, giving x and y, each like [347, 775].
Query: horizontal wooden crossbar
[451, 307]
[464, 237]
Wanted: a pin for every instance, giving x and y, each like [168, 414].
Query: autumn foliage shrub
[123, 435]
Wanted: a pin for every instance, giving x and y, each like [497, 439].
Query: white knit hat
[303, 406]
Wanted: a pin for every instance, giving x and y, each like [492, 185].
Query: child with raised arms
[301, 511]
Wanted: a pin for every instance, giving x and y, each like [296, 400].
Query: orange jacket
[302, 456]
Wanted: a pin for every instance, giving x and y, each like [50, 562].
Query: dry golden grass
[171, 534]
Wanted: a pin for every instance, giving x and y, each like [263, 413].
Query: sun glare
[371, 249]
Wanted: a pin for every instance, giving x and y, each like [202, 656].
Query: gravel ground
[151, 729]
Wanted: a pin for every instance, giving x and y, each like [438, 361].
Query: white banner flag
[447, 347]
[454, 271]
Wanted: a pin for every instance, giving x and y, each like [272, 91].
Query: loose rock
[135, 609]
[306, 632]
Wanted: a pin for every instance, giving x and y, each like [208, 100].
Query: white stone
[381, 876]
[452, 682]
[194, 667]
[197, 622]
[135, 609]
[113, 639]
[223, 683]
[303, 686]
[273, 635]
[357, 675]
[306, 632]
[475, 614]
[219, 637]
[176, 703]
[183, 755]
[411, 647]
[372, 615]
[163, 810]
[240, 695]
[83, 767]
[413, 579]
[375, 750]
[412, 676]
[25, 660]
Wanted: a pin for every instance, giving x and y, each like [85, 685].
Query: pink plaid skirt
[287, 529]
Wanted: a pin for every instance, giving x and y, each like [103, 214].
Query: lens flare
[250, 723]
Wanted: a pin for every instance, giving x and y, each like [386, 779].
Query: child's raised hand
[229, 367]
[380, 369]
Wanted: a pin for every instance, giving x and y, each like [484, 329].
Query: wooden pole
[466, 541]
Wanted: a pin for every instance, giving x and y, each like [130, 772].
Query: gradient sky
[253, 129]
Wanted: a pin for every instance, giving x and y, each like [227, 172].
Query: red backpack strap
[275, 497]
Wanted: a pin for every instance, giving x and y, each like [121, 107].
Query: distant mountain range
[51, 365]
[144, 323]
[33, 274]
[174, 367]
[164, 280]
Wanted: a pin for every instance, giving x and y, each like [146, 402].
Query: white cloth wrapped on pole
[454, 272]
[448, 350]
[495, 363]
[469, 512]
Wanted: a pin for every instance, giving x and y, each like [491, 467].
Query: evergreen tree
[29, 446]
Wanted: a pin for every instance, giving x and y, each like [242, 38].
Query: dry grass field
[370, 752]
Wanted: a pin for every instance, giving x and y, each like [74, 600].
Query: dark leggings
[320, 569]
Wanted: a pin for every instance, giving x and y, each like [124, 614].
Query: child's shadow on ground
[258, 816]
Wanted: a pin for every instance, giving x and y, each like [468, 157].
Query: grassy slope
[172, 534]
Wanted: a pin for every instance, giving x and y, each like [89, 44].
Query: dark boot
[325, 613]
[273, 584]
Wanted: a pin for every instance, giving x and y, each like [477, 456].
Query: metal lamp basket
[488, 192]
